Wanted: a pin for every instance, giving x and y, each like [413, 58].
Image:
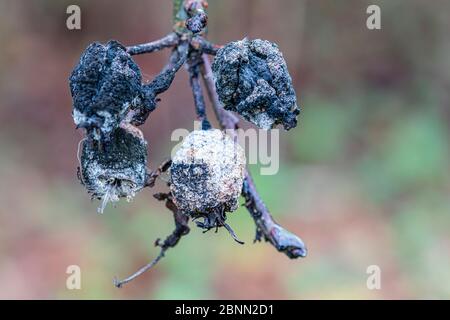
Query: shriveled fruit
[252, 79]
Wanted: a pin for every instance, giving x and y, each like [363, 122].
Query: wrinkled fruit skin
[207, 173]
[106, 88]
[252, 79]
[116, 168]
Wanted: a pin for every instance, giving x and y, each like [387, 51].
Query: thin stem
[119, 283]
[168, 41]
[199, 101]
[152, 176]
[160, 83]
[177, 59]
[232, 233]
[203, 45]
[181, 229]
[281, 239]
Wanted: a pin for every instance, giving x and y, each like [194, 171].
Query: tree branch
[152, 176]
[181, 227]
[201, 44]
[199, 101]
[160, 83]
[177, 59]
[280, 238]
[168, 41]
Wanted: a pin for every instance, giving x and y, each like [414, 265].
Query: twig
[203, 45]
[199, 100]
[177, 59]
[280, 238]
[232, 233]
[181, 229]
[119, 283]
[161, 83]
[168, 41]
[152, 176]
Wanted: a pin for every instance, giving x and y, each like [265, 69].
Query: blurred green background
[364, 179]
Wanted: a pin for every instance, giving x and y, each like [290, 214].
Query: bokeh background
[364, 179]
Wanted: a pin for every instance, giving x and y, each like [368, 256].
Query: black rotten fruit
[252, 79]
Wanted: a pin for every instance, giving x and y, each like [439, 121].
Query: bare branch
[194, 71]
[203, 45]
[177, 59]
[280, 238]
[159, 84]
[168, 41]
[152, 176]
[181, 229]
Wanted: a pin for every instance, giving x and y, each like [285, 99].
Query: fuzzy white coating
[207, 172]
[78, 117]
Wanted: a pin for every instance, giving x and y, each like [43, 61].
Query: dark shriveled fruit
[106, 89]
[116, 169]
[252, 79]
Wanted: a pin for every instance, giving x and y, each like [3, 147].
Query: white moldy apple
[207, 173]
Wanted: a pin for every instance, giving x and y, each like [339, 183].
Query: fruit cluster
[207, 175]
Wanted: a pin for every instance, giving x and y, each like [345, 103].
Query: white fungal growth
[105, 199]
[115, 170]
[112, 184]
[78, 117]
